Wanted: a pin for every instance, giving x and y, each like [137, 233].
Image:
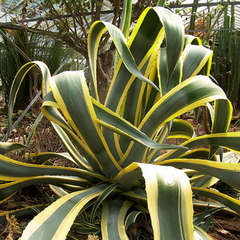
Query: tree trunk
[105, 64]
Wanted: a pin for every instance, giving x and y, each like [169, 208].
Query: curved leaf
[20, 212]
[228, 172]
[125, 23]
[164, 186]
[195, 57]
[131, 218]
[221, 119]
[11, 169]
[56, 220]
[224, 199]
[212, 205]
[44, 156]
[73, 143]
[113, 219]
[199, 180]
[76, 104]
[17, 83]
[229, 140]
[59, 191]
[200, 234]
[188, 95]
[33, 129]
[94, 36]
[6, 147]
[181, 129]
[8, 189]
[174, 36]
[110, 189]
[113, 121]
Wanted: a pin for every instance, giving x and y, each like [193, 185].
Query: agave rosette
[160, 74]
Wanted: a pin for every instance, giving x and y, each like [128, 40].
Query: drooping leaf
[222, 198]
[6, 147]
[228, 172]
[164, 186]
[113, 218]
[56, 220]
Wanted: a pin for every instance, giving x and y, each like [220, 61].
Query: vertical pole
[233, 16]
[161, 3]
[193, 16]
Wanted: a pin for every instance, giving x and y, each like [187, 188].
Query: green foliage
[18, 48]
[226, 59]
[124, 162]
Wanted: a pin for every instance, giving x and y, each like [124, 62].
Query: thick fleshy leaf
[113, 121]
[203, 181]
[126, 17]
[77, 148]
[80, 154]
[174, 36]
[11, 169]
[79, 103]
[56, 220]
[160, 137]
[6, 147]
[20, 76]
[200, 217]
[94, 36]
[44, 156]
[195, 57]
[131, 218]
[86, 228]
[58, 190]
[136, 194]
[181, 129]
[165, 24]
[21, 212]
[110, 189]
[202, 205]
[200, 234]
[164, 186]
[173, 65]
[221, 119]
[33, 129]
[192, 93]
[224, 199]
[229, 140]
[197, 179]
[190, 39]
[8, 189]
[199, 153]
[141, 51]
[188, 95]
[176, 76]
[125, 23]
[227, 172]
[162, 70]
[113, 219]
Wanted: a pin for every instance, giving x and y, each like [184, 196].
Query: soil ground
[222, 226]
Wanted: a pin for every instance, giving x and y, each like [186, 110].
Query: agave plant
[124, 163]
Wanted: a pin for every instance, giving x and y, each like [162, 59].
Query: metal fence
[210, 12]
